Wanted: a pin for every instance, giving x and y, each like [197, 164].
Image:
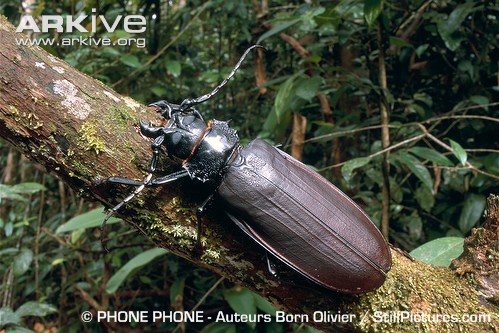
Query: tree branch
[84, 132]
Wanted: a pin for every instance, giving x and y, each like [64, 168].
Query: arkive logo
[132, 24]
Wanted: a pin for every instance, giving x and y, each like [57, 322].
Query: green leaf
[111, 51]
[174, 68]
[57, 261]
[420, 50]
[76, 234]
[283, 98]
[8, 317]
[459, 152]
[90, 219]
[35, 309]
[491, 163]
[447, 27]
[480, 100]
[425, 198]
[28, 188]
[467, 67]
[474, 204]
[424, 98]
[457, 17]
[158, 90]
[130, 267]
[22, 262]
[400, 42]
[431, 155]
[8, 251]
[349, 166]
[177, 291]
[307, 88]
[416, 167]
[372, 9]
[264, 305]
[20, 191]
[9, 228]
[7, 193]
[279, 118]
[416, 108]
[439, 252]
[277, 29]
[242, 301]
[130, 60]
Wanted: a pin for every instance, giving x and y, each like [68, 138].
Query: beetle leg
[155, 152]
[282, 273]
[148, 181]
[153, 182]
[124, 181]
[200, 213]
[118, 206]
[168, 178]
[271, 266]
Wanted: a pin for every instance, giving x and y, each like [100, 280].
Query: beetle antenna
[117, 207]
[187, 103]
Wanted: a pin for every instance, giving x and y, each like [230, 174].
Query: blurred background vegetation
[394, 101]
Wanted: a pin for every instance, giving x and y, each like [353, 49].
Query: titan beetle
[292, 212]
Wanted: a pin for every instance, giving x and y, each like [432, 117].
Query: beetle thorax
[182, 134]
[211, 152]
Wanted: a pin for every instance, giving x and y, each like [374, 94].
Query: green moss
[211, 255]
[185, 237]
[30, 120]
[13, 110]
[16, 59]
[43, 149]
[121, 116]
[33, 121]
[427, 292]
[81, 169]
[140, 202]
[176, 234]
[52, 127]
[89, 140]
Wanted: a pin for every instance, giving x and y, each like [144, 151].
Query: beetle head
[181, 133]
[165, 108]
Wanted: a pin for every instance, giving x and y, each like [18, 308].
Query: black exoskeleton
[296, 215]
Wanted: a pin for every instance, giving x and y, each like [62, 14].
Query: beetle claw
[149, 130]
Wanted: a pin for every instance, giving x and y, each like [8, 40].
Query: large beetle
[292, 212]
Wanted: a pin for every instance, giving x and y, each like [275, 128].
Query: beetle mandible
[292, 212]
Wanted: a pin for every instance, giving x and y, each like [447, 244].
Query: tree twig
[385, 132]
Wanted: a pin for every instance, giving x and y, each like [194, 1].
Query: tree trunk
[84, 132]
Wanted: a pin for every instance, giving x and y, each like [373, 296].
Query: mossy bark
[84, 132]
